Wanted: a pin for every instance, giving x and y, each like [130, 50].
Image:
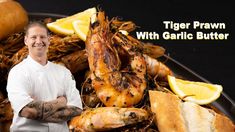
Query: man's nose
[38, 40]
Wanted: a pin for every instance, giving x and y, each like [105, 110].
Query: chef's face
[37, 40]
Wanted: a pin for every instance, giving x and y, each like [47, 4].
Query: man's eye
[33, 37]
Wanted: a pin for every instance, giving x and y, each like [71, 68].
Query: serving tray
[224, 103]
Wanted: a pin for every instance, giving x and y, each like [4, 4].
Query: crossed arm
[51, 111]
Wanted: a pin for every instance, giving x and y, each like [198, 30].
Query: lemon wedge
[197, 92]
[81, 29]
[64, 26]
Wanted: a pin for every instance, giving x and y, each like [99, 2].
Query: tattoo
[50, 112]
[41, 109]
[38, 106]
[48, 109]
[64, 114]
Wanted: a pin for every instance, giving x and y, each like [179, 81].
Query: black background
[212, 59]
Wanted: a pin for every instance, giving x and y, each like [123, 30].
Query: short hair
[35, 24]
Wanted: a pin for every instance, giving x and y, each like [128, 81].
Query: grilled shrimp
[154, 67]
[107, 118]
[149, 49]
[112, 86]
[88, 95]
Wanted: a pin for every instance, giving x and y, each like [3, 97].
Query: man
[43, 95]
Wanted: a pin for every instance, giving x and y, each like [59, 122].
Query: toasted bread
[173, 115]
[167, 110]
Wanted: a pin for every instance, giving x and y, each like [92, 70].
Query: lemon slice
[81, 29]
[64, 26]
[197, 92]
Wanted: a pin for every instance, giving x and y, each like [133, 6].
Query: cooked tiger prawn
[154, 67]
[157, 68]
[107, 118]
[113, 87]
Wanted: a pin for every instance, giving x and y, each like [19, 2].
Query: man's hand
[62, 100]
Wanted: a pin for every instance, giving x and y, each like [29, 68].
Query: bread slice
[222, 123]
[173, 115]
[167, 109]
[197, 118]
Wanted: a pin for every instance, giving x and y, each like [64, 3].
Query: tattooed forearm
[39, 110]
[64, 114]
[33, 110]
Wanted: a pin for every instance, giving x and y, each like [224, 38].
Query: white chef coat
[30, 80]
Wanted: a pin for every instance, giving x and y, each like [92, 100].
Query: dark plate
[225, 104]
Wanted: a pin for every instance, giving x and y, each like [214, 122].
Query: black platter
[224, 103]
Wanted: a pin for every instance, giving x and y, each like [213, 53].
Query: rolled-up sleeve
[72, 93]
[17, 88]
